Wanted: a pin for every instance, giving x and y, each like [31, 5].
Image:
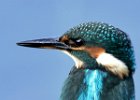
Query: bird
[104, 61]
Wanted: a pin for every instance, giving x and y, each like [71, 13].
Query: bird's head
[92, 46]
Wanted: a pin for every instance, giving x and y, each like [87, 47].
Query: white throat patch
[78, 63]
[113, 64]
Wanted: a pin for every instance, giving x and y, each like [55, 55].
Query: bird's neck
[93, 81]
[96, 85]
[83, 85]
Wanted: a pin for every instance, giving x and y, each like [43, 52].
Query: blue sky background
[35, 74]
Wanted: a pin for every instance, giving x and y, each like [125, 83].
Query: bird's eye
[71, 42]
[79, 42]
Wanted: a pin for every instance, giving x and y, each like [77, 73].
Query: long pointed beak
[44, 43]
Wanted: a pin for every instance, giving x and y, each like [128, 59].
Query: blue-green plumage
[94, 83]
[97, 85]
[114, 40]
[104, 60]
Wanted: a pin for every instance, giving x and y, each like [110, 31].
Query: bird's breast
[83, 85]
[93, 80]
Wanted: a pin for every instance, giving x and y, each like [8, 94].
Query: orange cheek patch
[95, 51]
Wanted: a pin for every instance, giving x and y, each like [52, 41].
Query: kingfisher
[104, 62]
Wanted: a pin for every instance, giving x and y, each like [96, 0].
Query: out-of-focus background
[37, 74]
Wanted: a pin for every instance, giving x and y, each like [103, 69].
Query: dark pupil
[78, 42]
